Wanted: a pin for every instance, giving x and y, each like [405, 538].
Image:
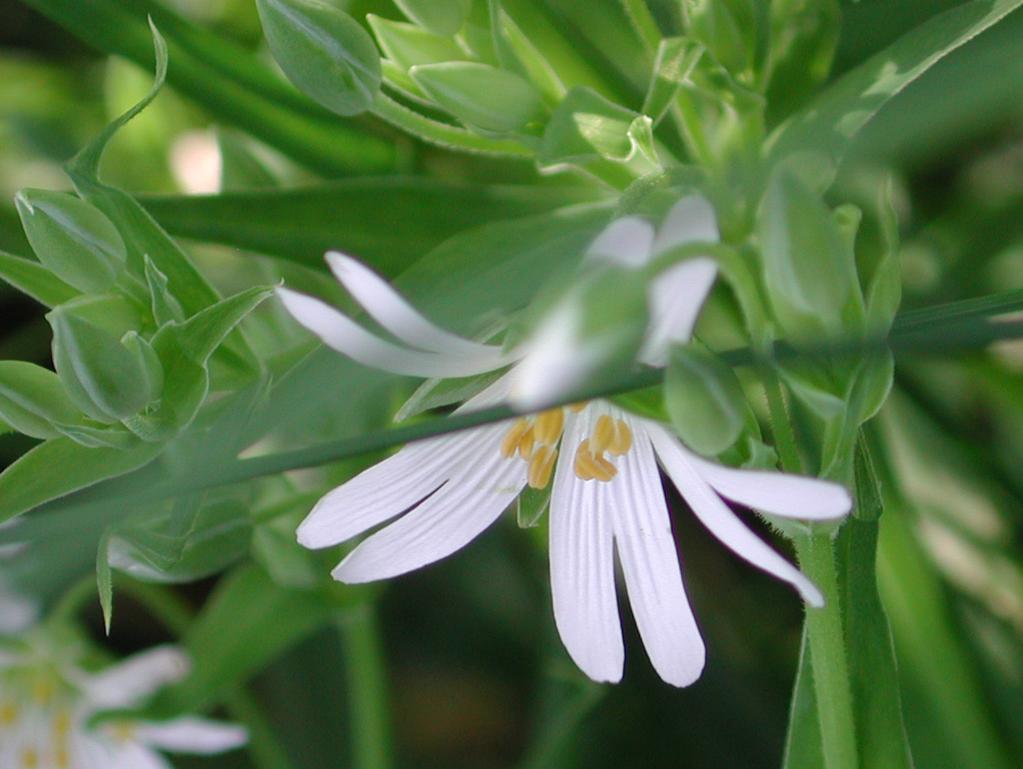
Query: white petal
[388, 308]
[346, 336]
[582, 568]
[385, 490]
[197, 736]
[133, 680]
[134, 756]
[691, 220]
[790, 496]
[720, 520]
[624, 242]
[653, 578]
[17, 613]
[676, 298]
[455, 515]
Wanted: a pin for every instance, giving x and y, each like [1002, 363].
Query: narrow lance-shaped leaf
[32, 399]
[481, 96]
[36, 281]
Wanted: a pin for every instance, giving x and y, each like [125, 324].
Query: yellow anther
[605, 470]
[622, 441]
[124, 731]
[62, 757]
[577, 407]
[510, 442]
[8, 713]
[603, 434]
[548, 426]
[589, 466]
[526, 443]
[43, 690]
[61, 724]
[541, 465]
[29, 758]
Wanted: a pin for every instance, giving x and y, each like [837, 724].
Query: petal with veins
[624, 242]
[459, 512]
[653, 578]
[388, 308]
[676, 298]
[790, 496]
[720, 520]
[582, 568]
[691, 220]
[131, 681]
[346, 336]
[196, 736]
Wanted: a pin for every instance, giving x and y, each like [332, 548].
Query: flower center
[535, 440]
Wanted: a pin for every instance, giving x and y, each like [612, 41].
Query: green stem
[644, 23]
[367, 688]
[827, 655]
[784, 437]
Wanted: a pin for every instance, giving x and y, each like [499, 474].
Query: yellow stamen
[29, 758]
[577, 407]
[603, 434]
[43, 690]
[8, 713]
[511, 439]
[61, 724]
[62, 757]
[590, 466]
[526, 443]
[124, 731]
[548, 426]
[622, 441]
[541, 465]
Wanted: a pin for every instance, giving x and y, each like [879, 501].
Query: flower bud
[324, 52]
[483, 97]
[105, 379]
[442, 17]
[704, 400]
[809, 266]
[73, 239]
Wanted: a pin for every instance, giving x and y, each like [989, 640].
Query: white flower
[606, 495]
[47, 705]
[16, 611]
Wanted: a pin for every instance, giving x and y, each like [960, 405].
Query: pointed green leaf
[324, 52]
[676, 57]
[481, 96]
[105, 581]
[442, 17]
[36, 281]
[408, 45]
[32, 399]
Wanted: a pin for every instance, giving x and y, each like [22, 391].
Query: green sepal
[72, 238]
[704, 400]
[33, 400]
[482, 97]
[324, 52]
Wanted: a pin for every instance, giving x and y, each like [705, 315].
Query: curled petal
[720, 520]
[388, 308]
[346, 336]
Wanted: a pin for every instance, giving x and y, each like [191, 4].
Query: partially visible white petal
[385, 490]
[653, 578]
[131, 755]
[582, 568]
[17, 613]
[197, 736]
[790, 496]
[130, 682]
[346, 336]
[676, 298]
[554, 364]
[455, 515]
[388, 308]
[625, 242]
[691, 220]
[720, 520]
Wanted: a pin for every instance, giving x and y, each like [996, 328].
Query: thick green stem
[367, 688]
[827, 655]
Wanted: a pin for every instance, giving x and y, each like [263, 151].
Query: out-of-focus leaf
[240, 168]
[31, 480]
[388, 222]
[35, 280]
[32, 400]
[483, 97]
[586, 126]
[434, 393]
[105, 582]
[230, 81]
[676, 57]
[830, 121]
[246, 624]
[704, 399]
[442, 17]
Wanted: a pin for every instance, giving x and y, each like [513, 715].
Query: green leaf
[586, 127]
[408, 45]
[676, 57]
[105, 581]
[32, 399]
[726, 28]
[72, 238]
[185, 541]
[31, 480]
[229, 80]
[835, 117]
[530, 505]
[388, 222]
[704, 399]
[435, 393]
[803, 38]
[36, 281]
[288, 563]
[324, 52]
[102, 376]
[200, 335]
[163, 305]
[803, 739]
[808, 266]
[442, 17]
[481, 96]
[247, 623]
[240, 167]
